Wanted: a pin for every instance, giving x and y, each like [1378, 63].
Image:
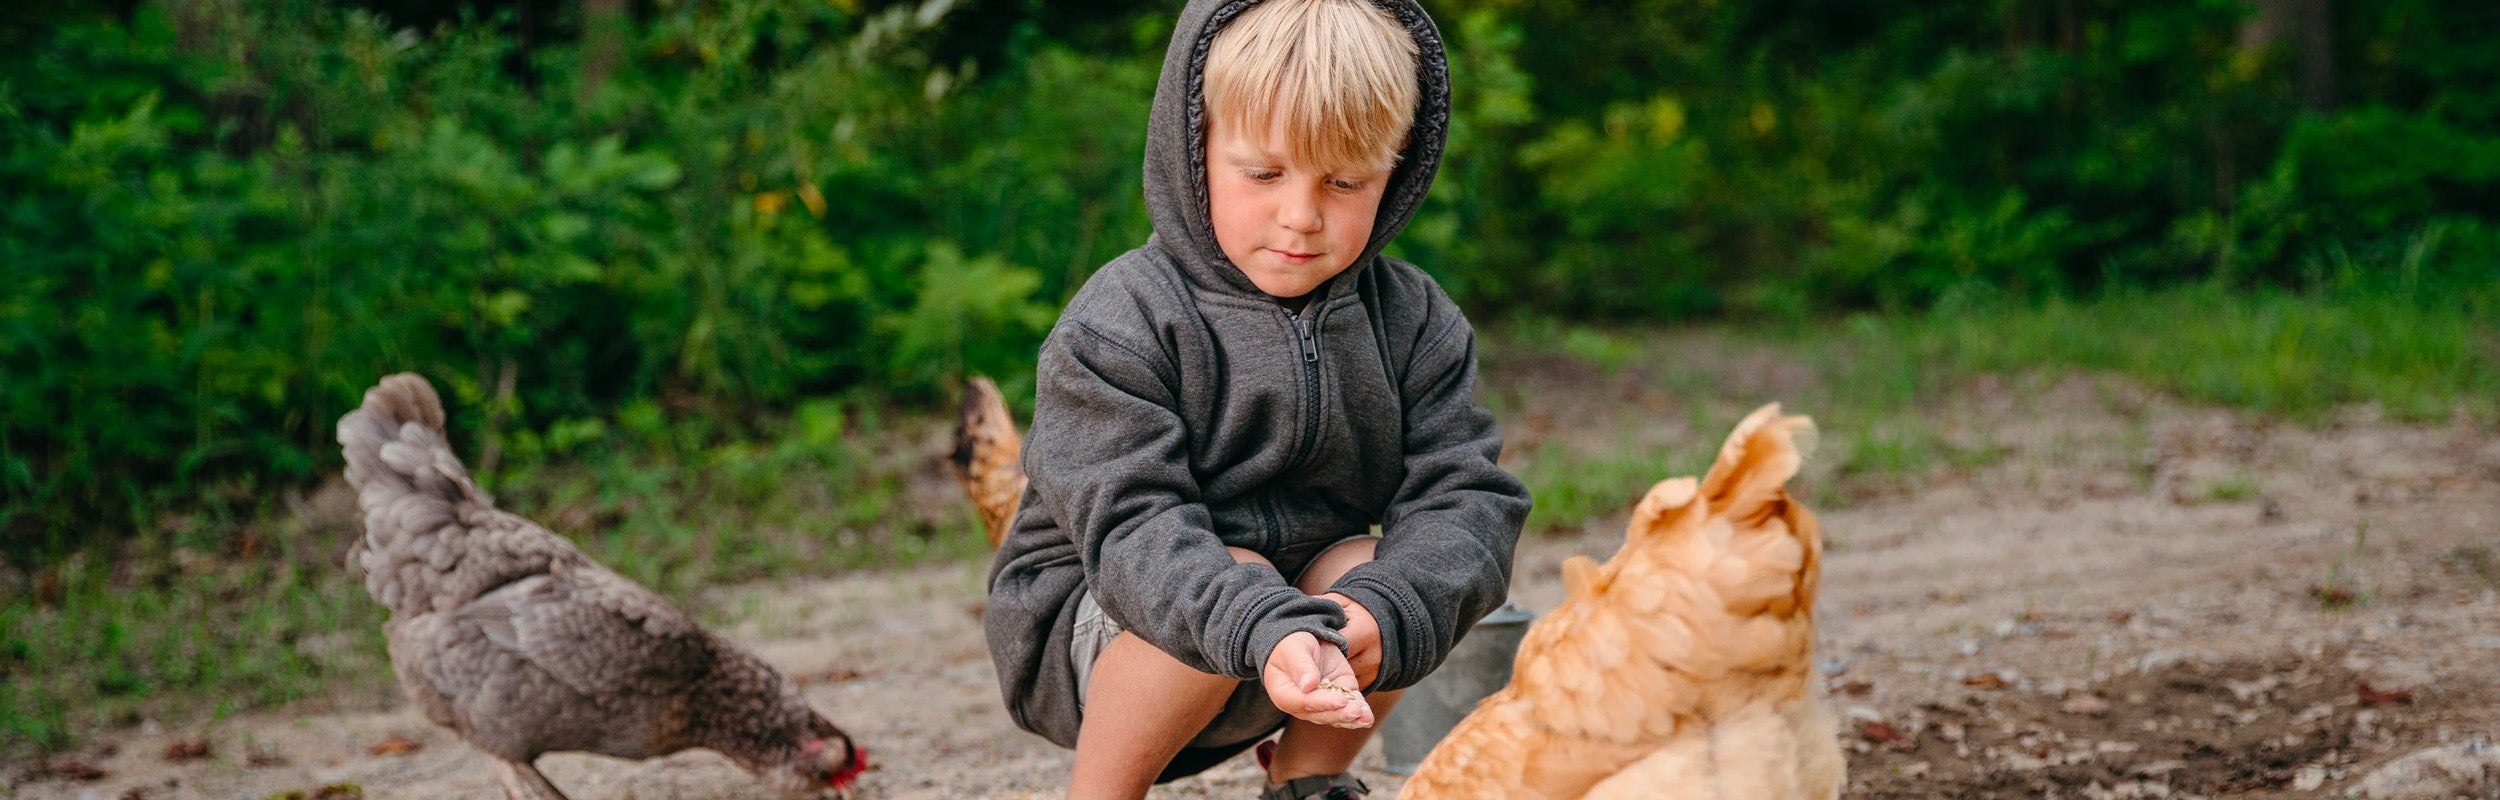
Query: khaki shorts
[1247, 715]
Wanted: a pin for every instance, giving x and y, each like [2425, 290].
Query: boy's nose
[1299, 213]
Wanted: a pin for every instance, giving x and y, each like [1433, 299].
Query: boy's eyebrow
[1251, 154]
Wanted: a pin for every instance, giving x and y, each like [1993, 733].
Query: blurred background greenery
[688, 270]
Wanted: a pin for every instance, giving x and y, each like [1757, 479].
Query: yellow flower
[814, 200]
[770, 203]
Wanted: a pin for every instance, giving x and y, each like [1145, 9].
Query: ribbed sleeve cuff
[1396, 626]
[1318, 617]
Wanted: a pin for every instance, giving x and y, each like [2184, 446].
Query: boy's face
[1289, 226]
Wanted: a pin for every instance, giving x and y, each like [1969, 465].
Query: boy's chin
[1292, 281]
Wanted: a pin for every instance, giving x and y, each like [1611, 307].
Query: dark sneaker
[1340, 786]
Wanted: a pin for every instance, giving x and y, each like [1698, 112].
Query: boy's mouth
[1291, 257]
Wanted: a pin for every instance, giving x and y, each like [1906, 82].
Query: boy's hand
[1362, 636]
[1295, 674]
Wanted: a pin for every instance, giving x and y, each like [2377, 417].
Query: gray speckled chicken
[511, 637]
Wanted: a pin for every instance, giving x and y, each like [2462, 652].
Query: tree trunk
[2308, 28]
[603, 44]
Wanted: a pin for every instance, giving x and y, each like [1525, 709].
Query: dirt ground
[2136, 599]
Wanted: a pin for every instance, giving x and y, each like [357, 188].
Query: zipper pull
[1310, 349]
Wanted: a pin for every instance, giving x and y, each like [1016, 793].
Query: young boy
[1224, 412]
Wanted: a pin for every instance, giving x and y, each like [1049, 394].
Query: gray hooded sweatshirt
[1180, 410]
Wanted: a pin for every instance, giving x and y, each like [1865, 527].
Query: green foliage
[1670, 159]
[232, 217]
[2421, 350]
[672, 271]
[1882, 386]
[238, 216]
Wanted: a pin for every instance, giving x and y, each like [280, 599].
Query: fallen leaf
[340, 791]
[395, 746]
[2263, 781]
[1855, 687]
[1986, 680]
[2334, 596]
[74, 770]
[2086, 705]
[50, 588]
[187, 749]
[2374, 697]
[1885, 735]
[264, 757]
[834, 675]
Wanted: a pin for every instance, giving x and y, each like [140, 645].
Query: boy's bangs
[1336, 78]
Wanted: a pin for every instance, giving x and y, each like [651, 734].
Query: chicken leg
[521, 781]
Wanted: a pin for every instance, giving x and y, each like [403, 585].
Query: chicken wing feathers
[1678, 668]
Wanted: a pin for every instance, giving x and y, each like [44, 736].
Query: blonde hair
[1338, 74]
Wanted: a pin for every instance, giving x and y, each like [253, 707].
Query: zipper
[1272, 534]
[1310, 385]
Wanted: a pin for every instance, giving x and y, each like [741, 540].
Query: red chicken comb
[859, 764]
[849, 773]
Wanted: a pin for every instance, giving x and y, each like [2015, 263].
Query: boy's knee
[1243, 555]
[1335, 562]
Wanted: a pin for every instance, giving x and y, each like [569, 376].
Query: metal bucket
[1477, 667]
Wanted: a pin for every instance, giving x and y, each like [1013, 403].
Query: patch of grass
[1574, 486]
[2419, 353]
[1881, 386]
[2235, 488]
[1666, 399]
[2340, 592]
[179, 628]
[2478, 561]
[157, 636]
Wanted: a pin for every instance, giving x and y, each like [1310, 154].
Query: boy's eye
[1263, 175]
[1346, 185]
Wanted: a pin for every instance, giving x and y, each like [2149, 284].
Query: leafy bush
[238, 216]
[231, 217]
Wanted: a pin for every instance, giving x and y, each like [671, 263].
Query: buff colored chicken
[1680, 668]
[988, 454]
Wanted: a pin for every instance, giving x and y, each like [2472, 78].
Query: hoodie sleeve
[1444, 559]
[1108, 458]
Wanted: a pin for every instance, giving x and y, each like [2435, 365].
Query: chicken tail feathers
[409, 484]
[1777, 540]
[396, 451]
[988, 456]
[1755, 464]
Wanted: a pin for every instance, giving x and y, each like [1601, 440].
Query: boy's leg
[1141, 707]
[1307, 749]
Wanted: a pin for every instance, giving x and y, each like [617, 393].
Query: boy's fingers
[1312, 681]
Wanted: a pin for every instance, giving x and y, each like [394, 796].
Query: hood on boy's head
[1176, 151]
